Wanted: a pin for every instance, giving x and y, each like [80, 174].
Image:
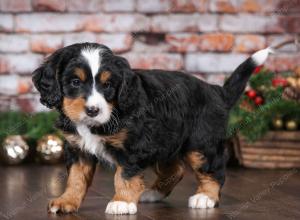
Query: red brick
[183, 42]
[249, 43]
[28, 103]
[118, 5]
[290, 24]
[4, 65]
[155, 60]
[6, 23]
[46, 5]
[189, 5]
[15, 85]
[283, 62]
[117, 42]
[184, 23]
[286, 7]
[117, 23]
[84, 5]
[45, 43]
[19, 63]
[154, 6]
[251, 6]
[13, 43]
[213, 63]
[49, 22]
[78, 38]
[15, 5]
[221, 42]
[205, 42]
[223, 6]
[247, 23]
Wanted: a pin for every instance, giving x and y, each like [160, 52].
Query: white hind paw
[201, 201]
[121, 208]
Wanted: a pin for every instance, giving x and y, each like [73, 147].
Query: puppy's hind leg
[168, 175]
[127, 194]
[209, 183]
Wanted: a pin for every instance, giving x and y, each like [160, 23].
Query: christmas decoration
[14, 150]
[50, 149]
[279, 81]
[291, 125]
[292, 91]
[258, 109]
[15, 126]
[251, 94]
[277, 123]
[258, 100]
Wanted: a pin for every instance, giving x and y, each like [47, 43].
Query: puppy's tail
[236, 83]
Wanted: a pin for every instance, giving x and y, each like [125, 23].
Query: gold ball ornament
[50, 149]
[14, 150]
[277, 123]
[291, 125]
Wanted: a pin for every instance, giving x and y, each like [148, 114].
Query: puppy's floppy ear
[127, 96]
[45, 80]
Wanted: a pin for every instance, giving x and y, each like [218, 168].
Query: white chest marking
[93, 144]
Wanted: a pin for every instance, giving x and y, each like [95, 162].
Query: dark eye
[106, 85]
[75, 83]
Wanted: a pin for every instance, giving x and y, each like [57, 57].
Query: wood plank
[272, 144]
[271, 158]
[270, 151]
[269, 165]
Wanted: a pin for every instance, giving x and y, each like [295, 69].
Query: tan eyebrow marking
[105, 75]
[80, 73]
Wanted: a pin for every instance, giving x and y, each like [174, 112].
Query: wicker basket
[277, 149]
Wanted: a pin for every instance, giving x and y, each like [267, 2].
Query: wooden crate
[277, 149]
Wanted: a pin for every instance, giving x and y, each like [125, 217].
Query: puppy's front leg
[127, 194]
[80, 177]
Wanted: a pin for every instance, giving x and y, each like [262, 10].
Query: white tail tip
[261, 56]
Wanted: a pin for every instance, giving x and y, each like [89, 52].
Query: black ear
[128, 92]
[45, 80]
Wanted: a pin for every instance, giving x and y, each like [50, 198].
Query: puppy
[136, 119]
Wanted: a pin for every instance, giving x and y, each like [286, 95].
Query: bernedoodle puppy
[135, 119]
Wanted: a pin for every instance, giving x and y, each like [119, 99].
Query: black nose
[92, 111]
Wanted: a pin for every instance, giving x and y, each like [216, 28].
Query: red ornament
[251, 94]
[257, 69]
[258, 100]
[279, 81]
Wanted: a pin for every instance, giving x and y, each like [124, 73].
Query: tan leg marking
[128, 190]
[79, 179]
[167, 178]
[127, 194]
[207, 194]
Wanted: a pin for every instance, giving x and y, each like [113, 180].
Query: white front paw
[121, 208]
[201, 201]
[151, 195]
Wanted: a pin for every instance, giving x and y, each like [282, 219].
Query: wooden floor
[247, 194]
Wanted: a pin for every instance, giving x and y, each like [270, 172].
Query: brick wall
[208, 38]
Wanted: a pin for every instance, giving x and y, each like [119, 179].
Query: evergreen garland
[253, 121]
[31, 126]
